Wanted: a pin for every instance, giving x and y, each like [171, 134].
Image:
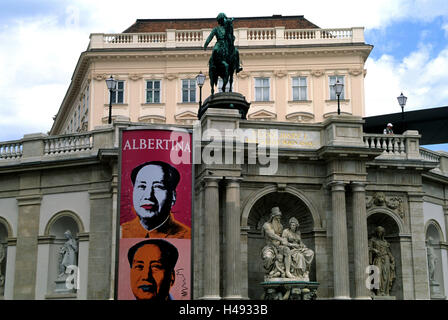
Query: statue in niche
[67, 254]
[2, 259]
[432, 259]
[284, 255]
[381, 256]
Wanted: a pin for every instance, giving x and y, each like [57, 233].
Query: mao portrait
[152, 264]
[154, 186]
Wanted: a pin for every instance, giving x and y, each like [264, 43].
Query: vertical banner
[155, 215]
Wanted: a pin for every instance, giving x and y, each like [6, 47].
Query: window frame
[191, 88]
[263, 89]
[153, 90]
[115, 93]
[298, 87]
[331, 89]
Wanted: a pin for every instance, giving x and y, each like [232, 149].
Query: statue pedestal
[383, 297]
[226, 100]
[435, 291]
[285, 289]
[61, 286]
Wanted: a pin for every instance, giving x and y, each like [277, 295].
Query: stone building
[339, 182]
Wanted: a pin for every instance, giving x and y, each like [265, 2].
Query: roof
[431, 123]
[160, 25]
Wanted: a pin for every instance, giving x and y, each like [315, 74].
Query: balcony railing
[68, 144]
[243, 37]
[391, 145]
[429, 155]
[10, 150]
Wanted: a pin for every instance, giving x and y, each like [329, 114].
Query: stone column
[232, 276]
[420, 263]
[26, 249]
[211, 239]
[100, 244]
[340, 246]
[360, 240]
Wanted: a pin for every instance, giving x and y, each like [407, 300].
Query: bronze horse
[224, 60]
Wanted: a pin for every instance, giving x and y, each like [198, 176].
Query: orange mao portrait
[154, 193]
[152, 265]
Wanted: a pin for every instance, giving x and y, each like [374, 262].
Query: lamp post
[111, 85]
[402, 102]
[200, 79]
[338, 87]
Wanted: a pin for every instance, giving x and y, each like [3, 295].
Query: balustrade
[269, 36]
[11, 150]
[67, 144]
[392, 145]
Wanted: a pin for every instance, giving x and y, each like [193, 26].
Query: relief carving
[379, 199]
[317, 73]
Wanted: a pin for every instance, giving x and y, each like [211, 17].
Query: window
[118, 93]
[262, 89]
[332, 81]
[189, 90]
[299, 88]
[153, 91]
[220, 85]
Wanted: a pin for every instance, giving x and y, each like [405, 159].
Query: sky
[41, 41]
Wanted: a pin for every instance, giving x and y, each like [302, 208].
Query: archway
[291, 206]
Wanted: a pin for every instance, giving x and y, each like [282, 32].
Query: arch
[7, 226]
[388, 213]
[61, 214]
[257, 195]
[436, 225]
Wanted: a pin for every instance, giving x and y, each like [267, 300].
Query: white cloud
[37, 59]
[421, 78]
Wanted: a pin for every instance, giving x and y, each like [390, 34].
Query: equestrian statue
[225, 59]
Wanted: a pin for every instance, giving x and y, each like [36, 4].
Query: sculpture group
[285, 256]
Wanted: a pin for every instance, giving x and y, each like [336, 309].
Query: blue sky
[41, 42]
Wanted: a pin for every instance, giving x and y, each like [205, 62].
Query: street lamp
[338, 87]
[111, 85]
[200, 79]
[402, 102]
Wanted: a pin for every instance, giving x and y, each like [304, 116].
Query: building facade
[339, 182]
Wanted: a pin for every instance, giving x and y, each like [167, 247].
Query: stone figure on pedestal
[432, 259]
[67, 253]
[381, 256]
[284, 255]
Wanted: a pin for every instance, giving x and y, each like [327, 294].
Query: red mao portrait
[156, 193]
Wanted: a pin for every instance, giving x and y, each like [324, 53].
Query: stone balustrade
[35, 147]
[392, 145]
[429, 155]
[243, 37]
[68, 144]
[10, 150]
